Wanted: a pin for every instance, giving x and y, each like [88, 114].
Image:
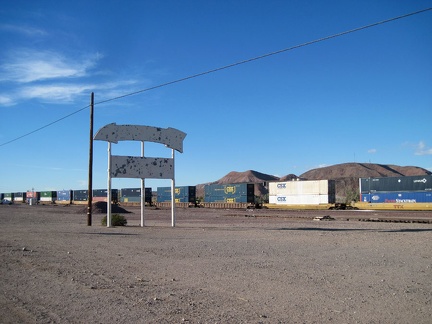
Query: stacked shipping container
[406, 189]
[101, 195]
[19, 197]
[9, 196]
[48, 196]
[133, 195]
[80, 196]
[32, 197]
[313, 192]
[229, 193]
[64, 196]
[183, 194]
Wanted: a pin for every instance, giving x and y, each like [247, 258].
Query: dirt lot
[215, 266]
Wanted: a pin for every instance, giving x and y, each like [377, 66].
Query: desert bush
[116, 220]
[352, 195]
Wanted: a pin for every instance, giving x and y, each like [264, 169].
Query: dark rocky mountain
[346, 176]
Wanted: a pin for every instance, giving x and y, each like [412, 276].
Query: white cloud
[68, 92]
[372, 151]
[6, 101]
[54, 92]
[51, 77]
[26, 66]
[422, 149]
[25, 30]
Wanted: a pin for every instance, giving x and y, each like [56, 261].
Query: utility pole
[90, 172]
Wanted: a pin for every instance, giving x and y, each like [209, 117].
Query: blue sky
[361, 97]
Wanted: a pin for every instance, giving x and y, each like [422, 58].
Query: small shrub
[116, 220]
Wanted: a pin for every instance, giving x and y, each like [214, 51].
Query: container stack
[19, 197]
[133, 195]
[80, 196]
[48, 196]
[102, 194]
[64, 196]
[32, 197]
[399, 190]
[229, 193]
[315, 192]
[183, 194]
[9, 196]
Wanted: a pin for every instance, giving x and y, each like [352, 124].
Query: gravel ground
[215, 266]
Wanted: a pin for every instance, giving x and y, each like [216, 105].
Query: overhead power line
[45, 126]
[227, 67]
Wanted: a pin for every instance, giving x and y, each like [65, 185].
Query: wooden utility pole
[90, 173]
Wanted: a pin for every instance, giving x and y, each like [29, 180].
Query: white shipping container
[299, 199]
[46, 199]
[314, 187]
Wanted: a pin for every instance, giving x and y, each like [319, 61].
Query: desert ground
[214, 266]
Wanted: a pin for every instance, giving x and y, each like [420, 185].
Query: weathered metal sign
[171, 137]
[141, 167]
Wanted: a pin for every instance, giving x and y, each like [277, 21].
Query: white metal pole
[109, 187]
[173, 193]
[142, 190]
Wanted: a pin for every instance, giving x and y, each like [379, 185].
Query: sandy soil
[215, 266]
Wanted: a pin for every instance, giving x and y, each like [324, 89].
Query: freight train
[407, 192]
[410, 192]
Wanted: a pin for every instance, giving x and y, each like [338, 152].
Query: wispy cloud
[372, 151]
[6, 100]
[49, 93]
[52, 77]
[49, 168]
[422, 149]
[69, 92]
[26, 66]
[22, 29]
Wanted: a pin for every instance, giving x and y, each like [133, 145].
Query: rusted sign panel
[171, 137]
[141, 167]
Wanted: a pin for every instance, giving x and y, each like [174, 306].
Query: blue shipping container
[179, 200]
[182, 194]
[64, 195]
[134, 195]
[104, 192]
[231, 199]
[229, 190]
[397, 184]
[80, 195]
[398, 197]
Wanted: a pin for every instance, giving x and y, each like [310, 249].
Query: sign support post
[109, 187]
[90, 173]
[142, 190]
[173, 216]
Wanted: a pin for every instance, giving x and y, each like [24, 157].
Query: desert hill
[247, 176]
[346, 176]
[362, 170]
